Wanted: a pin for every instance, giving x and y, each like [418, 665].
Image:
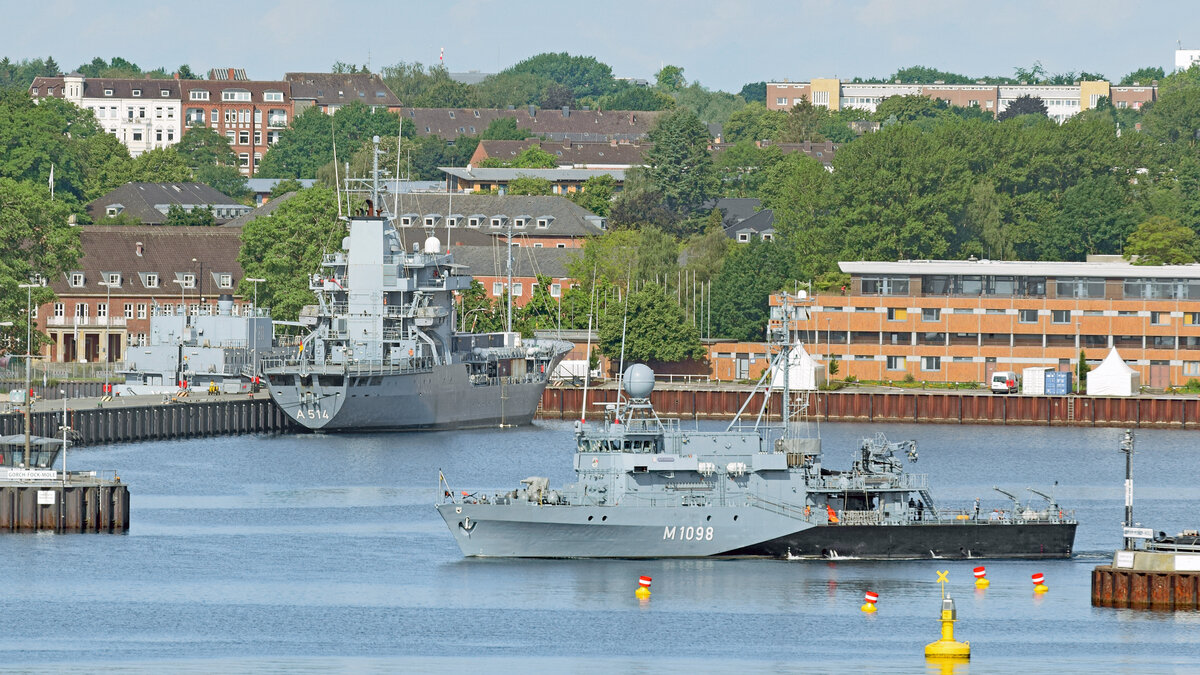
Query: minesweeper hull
[442, 398]
[532, 531]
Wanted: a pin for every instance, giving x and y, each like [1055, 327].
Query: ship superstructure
[648, 488]
[384, 351]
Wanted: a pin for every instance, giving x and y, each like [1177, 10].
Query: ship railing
[860, 517]
[790, 510]
[970, 517]
[353, 368]
[858, 482]
[1171, 547]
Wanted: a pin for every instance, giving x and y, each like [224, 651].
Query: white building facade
[142, 114]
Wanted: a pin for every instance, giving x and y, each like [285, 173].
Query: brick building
[104, 303]
[251, 114]
[958, 321]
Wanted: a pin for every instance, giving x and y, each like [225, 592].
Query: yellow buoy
[1038, 586]
[947, 647]
[869, 601]
[643, 589]
[981, 580]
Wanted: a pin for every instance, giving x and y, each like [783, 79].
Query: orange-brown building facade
[958, 321]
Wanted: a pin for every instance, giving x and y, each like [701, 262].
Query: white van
[1004, 382]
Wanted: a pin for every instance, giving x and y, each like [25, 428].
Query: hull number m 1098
[312, 414]
[688, 533]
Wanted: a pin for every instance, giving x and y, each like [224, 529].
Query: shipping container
[1058, 383]
[1033, 381]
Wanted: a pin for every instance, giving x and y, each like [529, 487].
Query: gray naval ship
[649, 489]
[384, 351]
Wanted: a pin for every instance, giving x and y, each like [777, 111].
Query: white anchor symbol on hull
[466, 525]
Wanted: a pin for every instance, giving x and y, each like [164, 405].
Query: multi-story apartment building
[105, 302]
[251, 114]
[142, 114]
[958, 321]
[1061, 102]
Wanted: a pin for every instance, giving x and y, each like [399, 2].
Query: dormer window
[164, 92]
[452, 221]
[451, 114]
[497, 222]
[136, 92]
[150, 280]
[76, 280]
[226, 281]
[474, 221]
[431, 220]
[544, 222]
[520, 221]
[108, 92]
[272, 95]
[235, 95]
[113, 279]
[408, 219]
[199, 95]
[189, 281]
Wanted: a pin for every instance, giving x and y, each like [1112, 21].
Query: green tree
[37, 241]
[743, 168]
[656, 330]
[224, 179]
[542, 310]
[611, 258]
[285, 248]
[926, 75]
[511, 88]
[754, 92]
[203, 146]
[582, 75]
[741, 291]
[804, 121]
[534, 157]
[505, 129]
[1163, 241]
[679, 163]
[637, 98]
[596, 194]
[1143, 76]
[285, 186]
[35, 137]
[479, 314]
[909, 108]
[1081, 372]
[1175, 116]
[705, 251]
[308, 144]
[1023, 105]
[160, 165]
[800, 193]
[530, 185]
[670, 78]
[755, 123]
[421, 87]
[196, 217]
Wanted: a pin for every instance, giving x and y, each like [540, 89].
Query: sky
[723, 44]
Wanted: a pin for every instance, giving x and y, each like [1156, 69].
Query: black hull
[921, 541]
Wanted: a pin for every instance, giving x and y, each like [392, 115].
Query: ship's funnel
[225, 304]
[639, 381]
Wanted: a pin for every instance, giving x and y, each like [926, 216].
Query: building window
[877, 285]
[1191, 367]
[272, 137]
[137, 135]
[1027, 316]
[497, 222]
[198, 95]
[473, 221]
[129, 310]
[497, 288]
[897, 314]
[189, 281]
[151, 281]
[931, 314]
[257, 137]
[158, 135]
[194, 116]
[226, 281]
[1160, 318]
[244, 159]
[58, 310]
[1060, 316]
[895, 363]
[781, 100]
[931, 363]
[555, 290]
[76, 279]
[1080, 287]
[141, 310]
[518, 289]
[1191, 318]
[543, 223]
[272, 95]
[235, 95]
[243, 138]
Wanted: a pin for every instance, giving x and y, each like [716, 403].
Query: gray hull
[441, 398]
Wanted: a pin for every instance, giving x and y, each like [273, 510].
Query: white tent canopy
[804, 372]
[1113, 377]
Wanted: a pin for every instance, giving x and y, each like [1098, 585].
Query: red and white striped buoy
[981, 578]
[1038, 583]
[643, 589]
[871, 597]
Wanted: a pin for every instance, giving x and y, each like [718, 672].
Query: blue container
[1058, 383]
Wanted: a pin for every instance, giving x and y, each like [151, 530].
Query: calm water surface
[315, 553]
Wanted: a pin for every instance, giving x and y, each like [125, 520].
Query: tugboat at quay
[384, 351]
[649, 489]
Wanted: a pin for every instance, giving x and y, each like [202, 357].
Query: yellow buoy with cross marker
[947, 647]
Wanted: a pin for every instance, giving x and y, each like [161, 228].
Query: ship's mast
[508, 267]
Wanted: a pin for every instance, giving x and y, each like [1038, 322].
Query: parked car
[1004, 382]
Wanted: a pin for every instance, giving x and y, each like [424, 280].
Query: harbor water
[309, 552]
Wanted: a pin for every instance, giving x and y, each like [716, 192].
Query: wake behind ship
[384, 352]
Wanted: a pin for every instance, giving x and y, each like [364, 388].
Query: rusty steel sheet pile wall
[76, 508]
[906, 406]
[1135, 589]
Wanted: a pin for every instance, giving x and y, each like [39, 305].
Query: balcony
[277, 120]
[88, 321]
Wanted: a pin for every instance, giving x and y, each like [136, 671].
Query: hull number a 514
[688, 533]
[312, 414]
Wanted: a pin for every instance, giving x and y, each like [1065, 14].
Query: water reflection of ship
[649, 489]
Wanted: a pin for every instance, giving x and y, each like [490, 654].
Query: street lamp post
[254, 343]
[107, 284]
[64, 430]
[28, 359]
